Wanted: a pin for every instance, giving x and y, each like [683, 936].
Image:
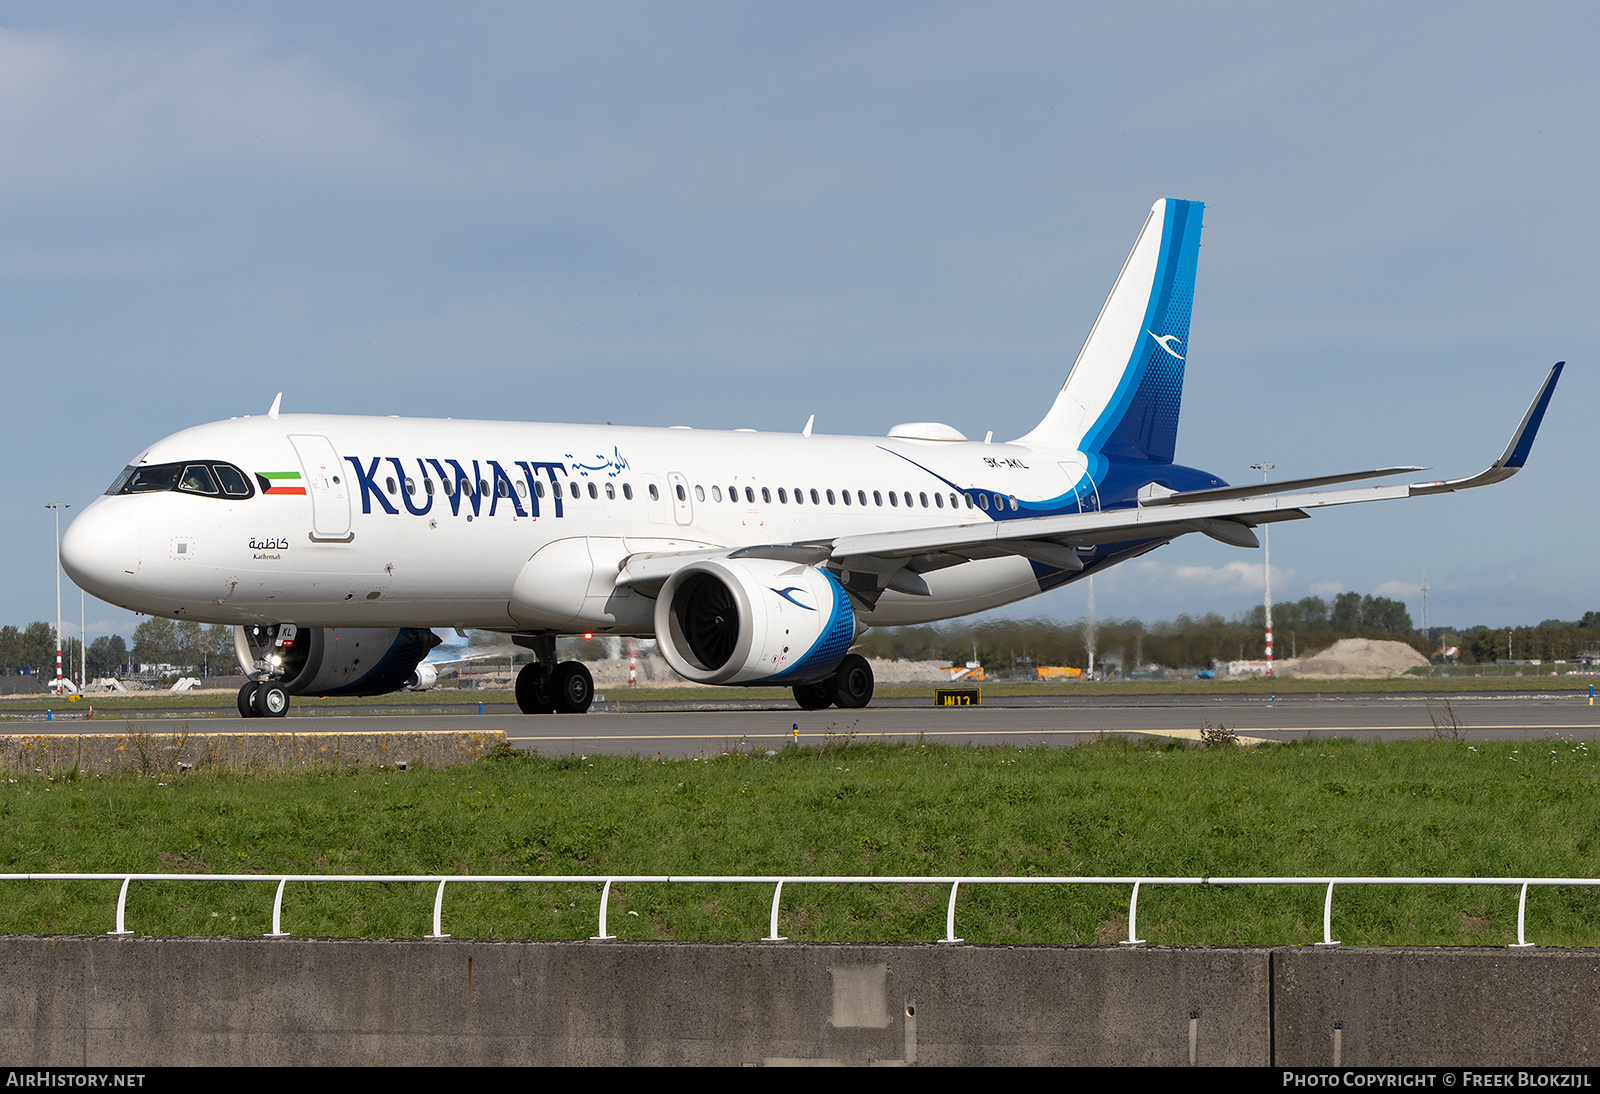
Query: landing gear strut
[566, 688]
[850, 687]
[262, 696]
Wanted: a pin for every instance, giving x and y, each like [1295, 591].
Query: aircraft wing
[1226, 513]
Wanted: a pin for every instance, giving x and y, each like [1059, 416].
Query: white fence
[955, 883]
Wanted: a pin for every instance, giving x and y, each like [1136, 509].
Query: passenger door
[328, 484]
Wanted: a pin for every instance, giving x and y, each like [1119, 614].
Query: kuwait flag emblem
[284, 482]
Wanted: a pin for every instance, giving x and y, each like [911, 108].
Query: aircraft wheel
[572, 688]
[852, 683]
[270, 701]
[533, 692]
[815, 696]
[247, 698]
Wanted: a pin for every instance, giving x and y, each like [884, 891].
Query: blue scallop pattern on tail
[1142, 421]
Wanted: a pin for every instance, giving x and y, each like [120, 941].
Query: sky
[738, 215]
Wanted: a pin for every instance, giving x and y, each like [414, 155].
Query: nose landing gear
[263, 699]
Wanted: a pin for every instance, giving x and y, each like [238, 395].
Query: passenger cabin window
[716, 493]
[627, 491]
[611, 491]
[594, 492]
[766, 495]
[655, 495]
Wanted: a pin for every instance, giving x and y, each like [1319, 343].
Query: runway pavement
[679, 730]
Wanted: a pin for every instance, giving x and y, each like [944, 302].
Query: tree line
[187, 646]
[1300, 628]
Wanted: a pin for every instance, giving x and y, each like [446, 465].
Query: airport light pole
[58, 506]
[1266, 567]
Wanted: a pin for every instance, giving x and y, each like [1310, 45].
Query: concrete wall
[146, 1001]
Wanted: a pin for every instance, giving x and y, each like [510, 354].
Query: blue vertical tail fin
[1122, 396]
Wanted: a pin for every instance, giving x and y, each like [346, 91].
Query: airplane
[334, 544]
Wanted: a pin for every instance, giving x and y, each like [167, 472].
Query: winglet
[1516, 453]
[811, 421]
[273, 413]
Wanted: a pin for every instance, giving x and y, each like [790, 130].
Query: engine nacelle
[753, 621]
[339, 660]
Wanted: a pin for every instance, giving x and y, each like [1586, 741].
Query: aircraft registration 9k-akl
[333, 544]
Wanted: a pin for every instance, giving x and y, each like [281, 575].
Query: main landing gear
[566, 688]
[263, 699]
[850, 687]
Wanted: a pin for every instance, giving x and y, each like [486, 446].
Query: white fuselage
[536, 538]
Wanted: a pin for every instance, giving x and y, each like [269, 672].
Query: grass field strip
[963, 734]
[954, 883]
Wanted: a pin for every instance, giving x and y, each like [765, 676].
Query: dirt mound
[1361, 658]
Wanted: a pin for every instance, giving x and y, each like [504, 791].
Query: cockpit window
[196, 479]
[234, 484]
[187, 478]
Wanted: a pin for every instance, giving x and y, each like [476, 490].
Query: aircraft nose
[100, 550]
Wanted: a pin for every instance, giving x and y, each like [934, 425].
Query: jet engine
[753, 621]
[337, 660]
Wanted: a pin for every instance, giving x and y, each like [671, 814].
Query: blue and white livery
[335, 544]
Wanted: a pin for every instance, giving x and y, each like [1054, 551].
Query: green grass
[1400, 808]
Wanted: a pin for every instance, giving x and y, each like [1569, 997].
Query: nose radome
[100, 550]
